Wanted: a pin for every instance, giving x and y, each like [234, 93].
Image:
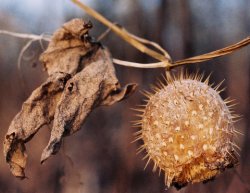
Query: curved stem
[163, 64]
[138, 43]
[140, 65]
[24, 49]
[121, 33]
[145, 41]
[213, 54]
[25, 36]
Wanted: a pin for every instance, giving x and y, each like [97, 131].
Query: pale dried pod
[187, 130]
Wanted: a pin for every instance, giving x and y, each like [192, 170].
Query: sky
[44, 16]
[34, 15]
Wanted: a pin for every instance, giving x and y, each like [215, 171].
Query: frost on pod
[187, 130]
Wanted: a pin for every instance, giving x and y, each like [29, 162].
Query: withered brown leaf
[81, 78]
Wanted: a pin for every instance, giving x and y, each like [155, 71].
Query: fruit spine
[187, 130]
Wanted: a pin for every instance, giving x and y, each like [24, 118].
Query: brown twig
[123, 34]
[138, 43]
[214, 54]
[195, 59]
[142, 40]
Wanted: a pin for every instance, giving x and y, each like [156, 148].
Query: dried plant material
[196, 59]
[81, 78]
[67, 47]
[37, 110]
[95, 85]
[135, 41]
[214, 54]
[164, 64]
[161, 54]
[139, 43]
[187, 131]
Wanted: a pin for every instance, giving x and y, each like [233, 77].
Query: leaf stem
[122, 33]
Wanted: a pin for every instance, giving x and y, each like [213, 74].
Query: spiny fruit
[187, 130]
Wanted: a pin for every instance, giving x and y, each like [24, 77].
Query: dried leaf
[67, 47]
[81, 78]
[37, 110]
[95, 85]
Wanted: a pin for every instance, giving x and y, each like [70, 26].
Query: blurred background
[100, 157]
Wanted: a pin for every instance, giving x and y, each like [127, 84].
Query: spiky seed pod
[187, 130]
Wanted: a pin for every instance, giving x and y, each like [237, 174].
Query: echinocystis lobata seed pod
[187, 130]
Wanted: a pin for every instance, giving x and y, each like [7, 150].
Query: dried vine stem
[32, 38]
[195, 59]
[214, 54]
[139, 65]
[192, 60]
[26, 36]
[137, 43]
[142, 40]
